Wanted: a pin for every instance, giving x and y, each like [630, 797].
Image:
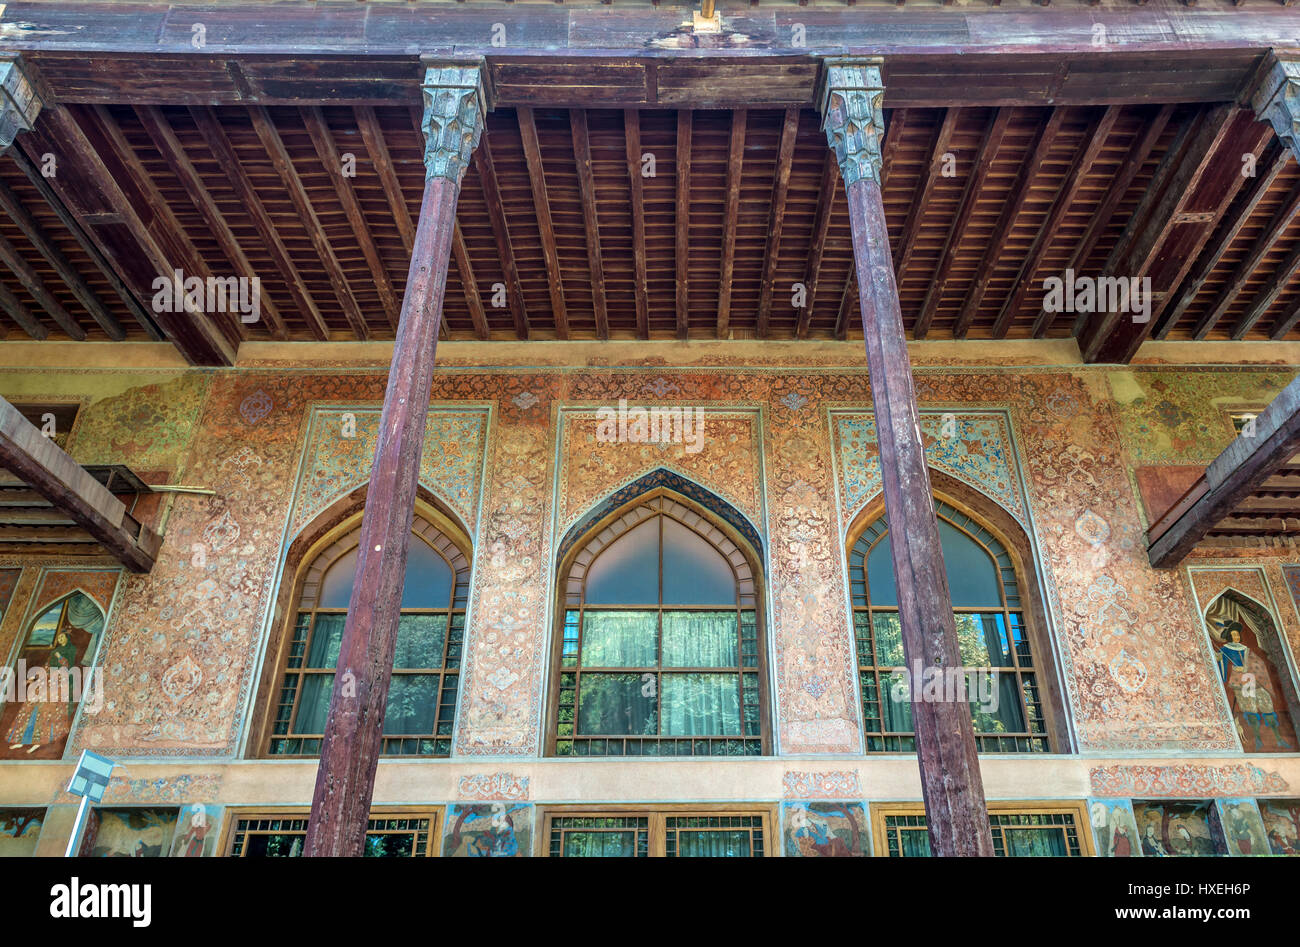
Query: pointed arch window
[659, 651]
[991, 608]
[426, 666]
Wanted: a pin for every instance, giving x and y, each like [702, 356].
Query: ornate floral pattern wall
[512, 452]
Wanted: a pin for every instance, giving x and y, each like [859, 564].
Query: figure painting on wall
[495, 830]
[825, 829]
[1241, 634]
[195, 831]
[51, 665]
[1282, 822]
[134, 833]
[1242, 828]
[1114, 829]
[1177, 829]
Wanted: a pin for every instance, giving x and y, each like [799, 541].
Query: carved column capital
[20, 102]
[454, 106]
[1277, 100]
[853, 114]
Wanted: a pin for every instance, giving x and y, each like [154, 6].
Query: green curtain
[1034, 842]
[914, 843]
[314, 703]
[617, 704]
[619, 639]
[889, 639]
[599, 844]
[420, 641]
[412, 704]
[326, 638]
[713, 844]
[700, 705]
[700, 639]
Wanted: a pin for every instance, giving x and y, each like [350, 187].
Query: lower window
[1019, 829]
[676, 832]
[280, 833]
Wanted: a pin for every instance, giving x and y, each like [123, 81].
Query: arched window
[1244, 640]
[659, 650]
[992, 608]
[426, 666]
[56, 653]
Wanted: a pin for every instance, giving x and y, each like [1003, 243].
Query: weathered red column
[453, 120]
[852, 105]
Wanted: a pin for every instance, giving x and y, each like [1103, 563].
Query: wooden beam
[17, 310]
[1153, 231]
[1040, 147]
[169, 146]
[44, 466]
[86, 186]
[372, 136]
[921, 197]
[735, 163]
[88, 244]
[271, 141]
[682, 221]
[1267, 294]
[1096, 137]
[34, 285]
[353, 739]
[1242, 209]
[209, 126]
[1237, 472]
[542, 204]
[487, 177]
[590, 219]
[956, 814]
[1133, 163]
[327, 151]
[632, 144]
[36, 235]
[821, 225]
[847, 301]
[466, 270]
[780, 191]
[997, 128]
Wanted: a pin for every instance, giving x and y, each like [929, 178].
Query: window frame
[658, 816]
[560, 605]
[342, 520]
[880, 811]
[232, 816]
[1011, 535]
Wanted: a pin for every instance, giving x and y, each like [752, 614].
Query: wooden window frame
[1011, 535]
[341, 521]
[880, 811]
[233, 815]
[565, 600]
[658, 816]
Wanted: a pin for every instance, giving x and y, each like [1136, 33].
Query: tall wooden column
[950, 775]
[453, 120]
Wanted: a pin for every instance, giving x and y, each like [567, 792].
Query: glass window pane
[996, 708]
[412, 704]
[713, 844]
[972, 575]
[627, 571]
[896, 703]
[314, 704]
[700, 639]
[599, 844]
[326, 638]
[983, 640]
[420, 641]
[336, 587]
[880, 574]
[617, 704]
[889, 639]
[619, 639]
[1041, 842]
[695, 573]
[701, 705]
[428, 577]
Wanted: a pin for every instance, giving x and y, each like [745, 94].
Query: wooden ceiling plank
[682, 221]
[466, 269]
[847, 309]
[1096, 136]
[780, 192]
[271, 141]
[1267, 294]
[1040, 147]
[209, 126]
[487, 176]
[590, 219]
[542, 204]
[169, 146]
[372, 136]
[44, 466]
[327, 151]
[735, 163]
[821, 226]
[34, 285]
[632, 146]
[36, 235]
[989, 145]
[17, 310]
[1133, 163]
[1242, 209]
[924, 188]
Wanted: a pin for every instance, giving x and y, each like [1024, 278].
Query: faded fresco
[133, 833]
[1178, 828]
[1282, 825]
[490, 830]
[825, 829]
[1243, 829]
[1114, 829]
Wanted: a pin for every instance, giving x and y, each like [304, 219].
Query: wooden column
[453, 121]
[950, 776]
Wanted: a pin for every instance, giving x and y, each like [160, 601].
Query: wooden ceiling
[651, 223]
